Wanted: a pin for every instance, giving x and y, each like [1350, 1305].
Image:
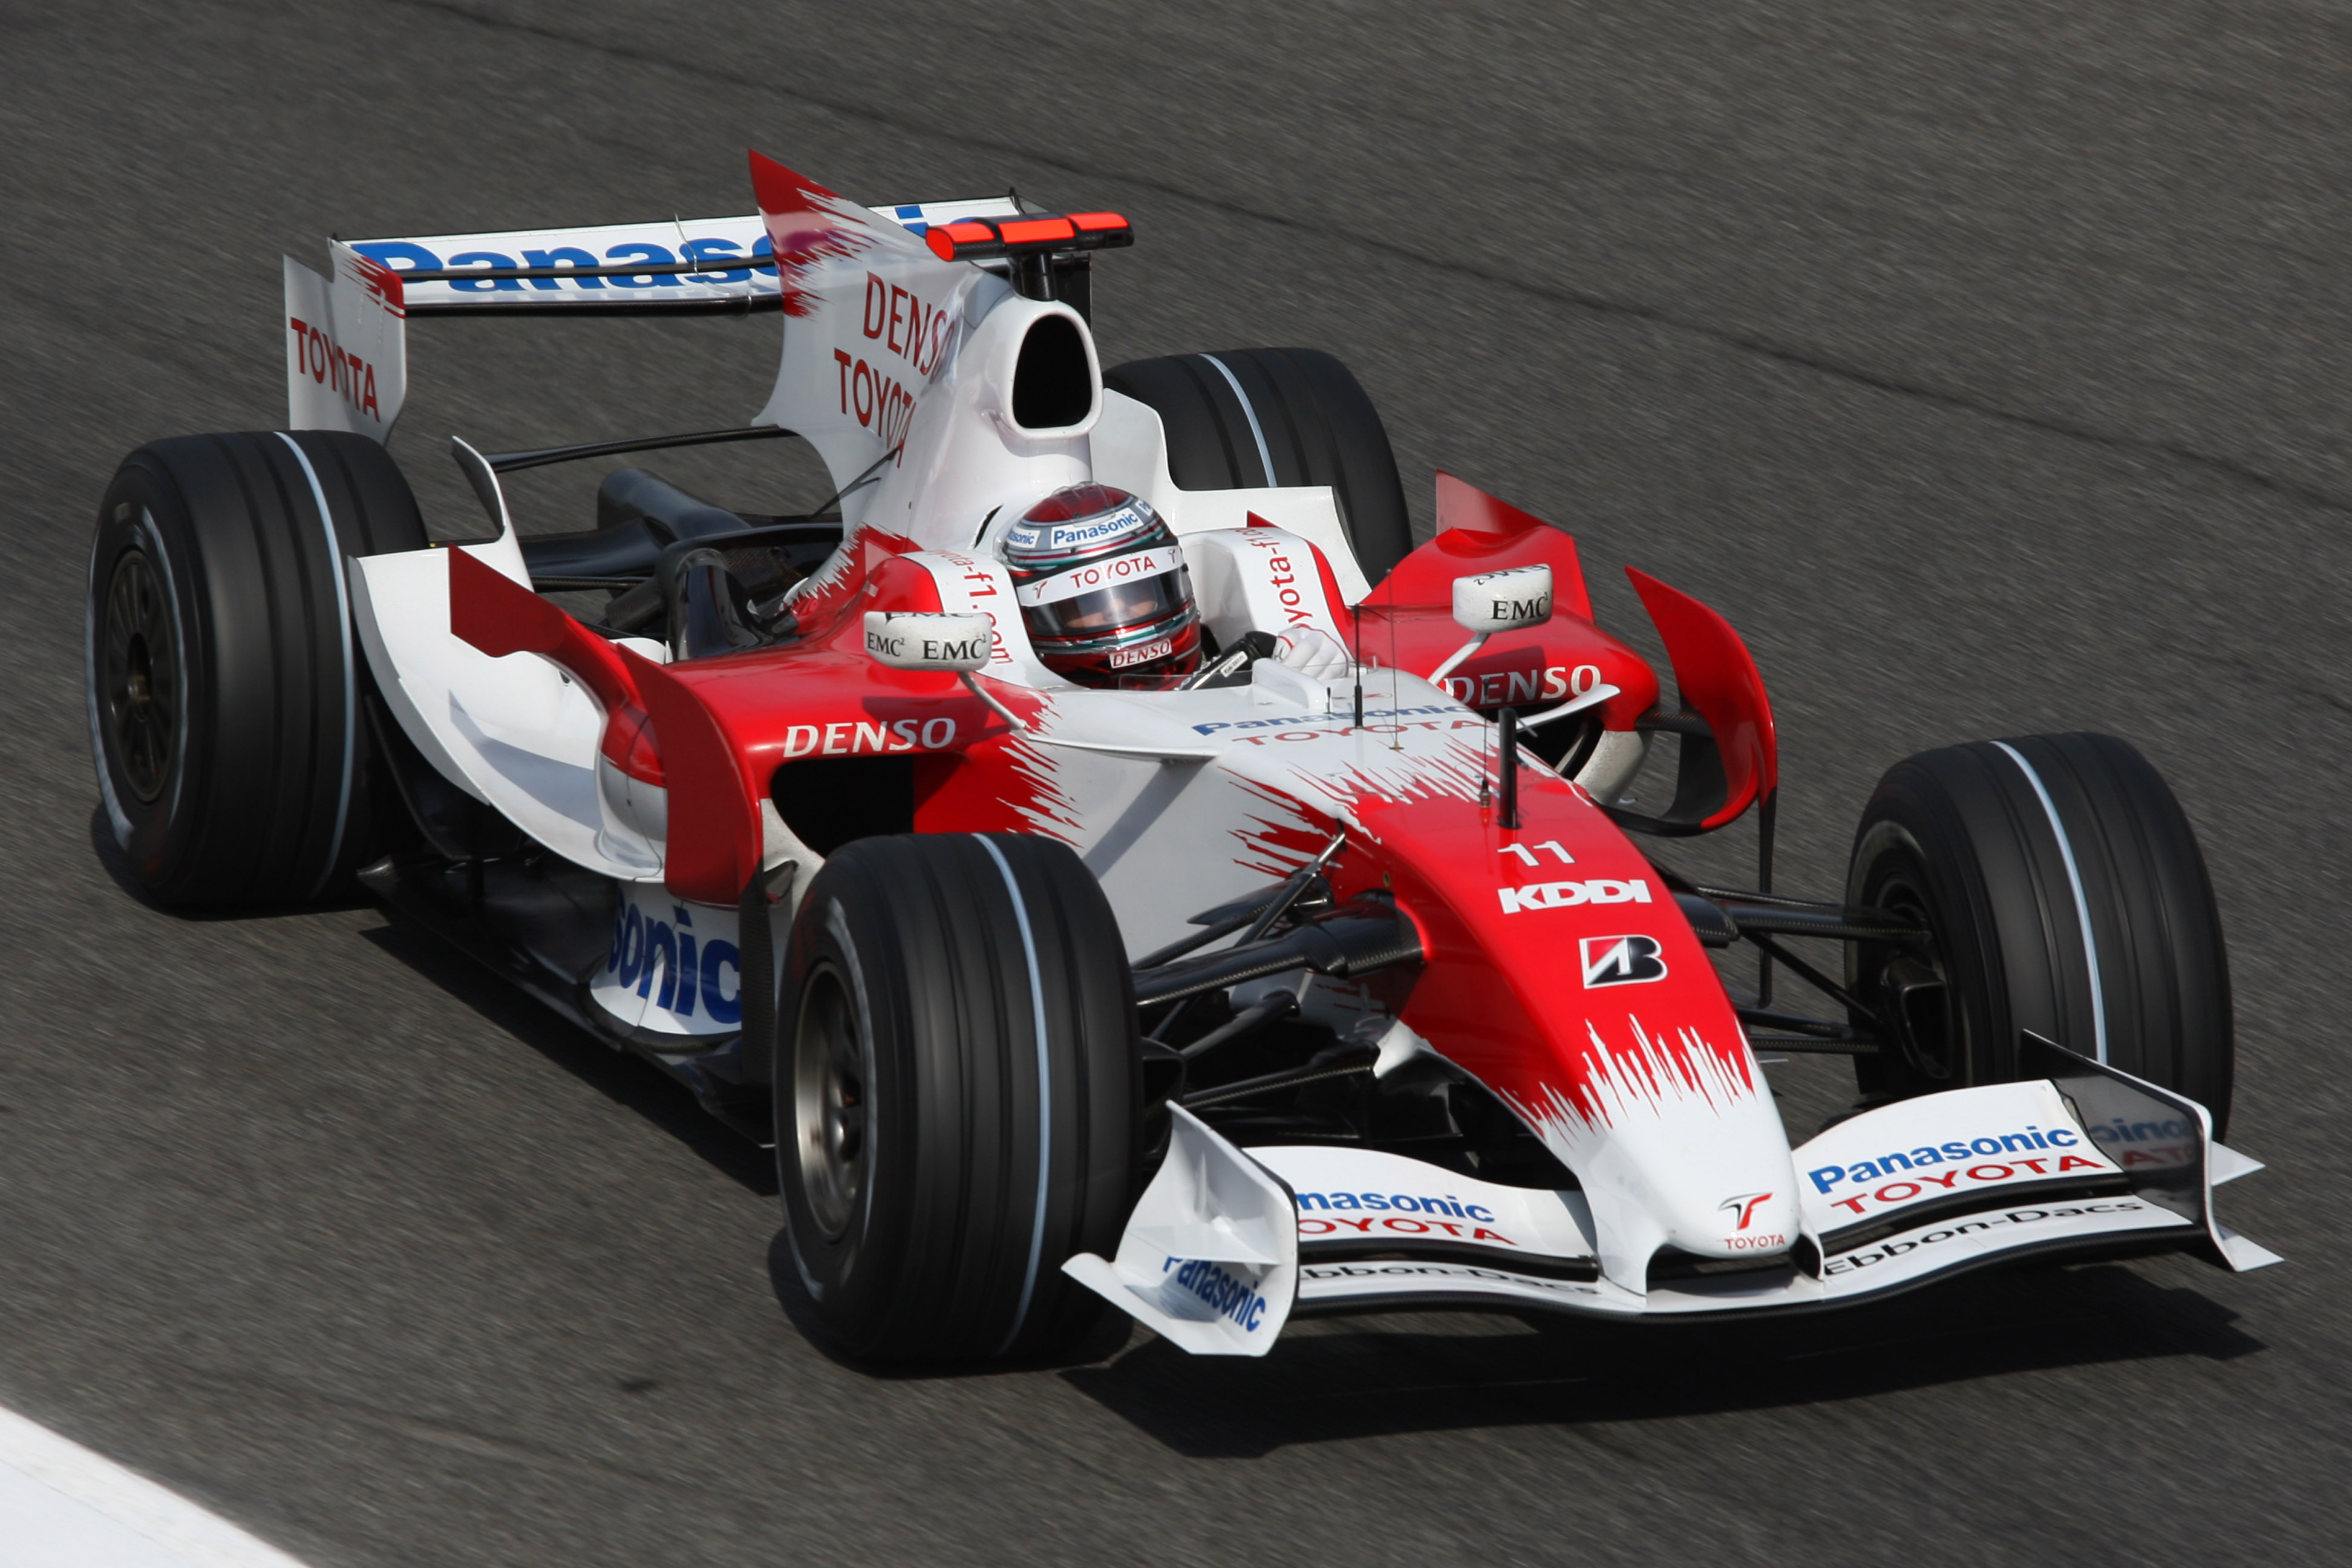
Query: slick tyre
[2063, 893]
[221, 676]
[957, 1097]
[1241, 418]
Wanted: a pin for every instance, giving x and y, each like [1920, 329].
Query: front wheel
[2064, 892]
[958, 1100]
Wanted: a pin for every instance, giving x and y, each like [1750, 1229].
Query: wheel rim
[140, 678]
[829, 1103]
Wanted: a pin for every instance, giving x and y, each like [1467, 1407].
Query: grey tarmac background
[1985, 362]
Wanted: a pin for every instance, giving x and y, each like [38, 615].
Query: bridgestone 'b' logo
[1622, 961]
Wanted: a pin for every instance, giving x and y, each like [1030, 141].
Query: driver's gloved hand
[1317, 654]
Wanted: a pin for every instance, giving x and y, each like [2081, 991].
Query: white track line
[62, 1506]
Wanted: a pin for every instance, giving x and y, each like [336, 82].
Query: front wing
[1227, 1245]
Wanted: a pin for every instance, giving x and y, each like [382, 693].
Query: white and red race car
[1328, 968]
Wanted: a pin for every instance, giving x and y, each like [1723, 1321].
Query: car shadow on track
[616, 1075]
[619, 1076]
[111, 858]
[1357, 1377]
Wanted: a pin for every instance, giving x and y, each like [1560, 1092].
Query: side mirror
[919, 639]
[1493, 602]
[914, 640]
[1503, 601]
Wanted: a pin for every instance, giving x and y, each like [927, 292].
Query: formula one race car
[1109, 861]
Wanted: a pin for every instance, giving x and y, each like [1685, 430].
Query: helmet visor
[1102, 599]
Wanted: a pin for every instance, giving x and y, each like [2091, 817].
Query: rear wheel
[1242, 418]
[2064, 893]
[221, 679]
[958, 1101]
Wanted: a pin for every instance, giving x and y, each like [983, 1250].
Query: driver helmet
[1102, 587]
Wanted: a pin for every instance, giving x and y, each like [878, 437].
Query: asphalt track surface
[1985, 362]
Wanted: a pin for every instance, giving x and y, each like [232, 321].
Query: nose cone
[1727, 1191]
[1563, 976]
[1738, 1199]
[1688, 1152]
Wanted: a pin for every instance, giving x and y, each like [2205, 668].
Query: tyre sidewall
[1888, 851]
[142, 511]
[849, 1279]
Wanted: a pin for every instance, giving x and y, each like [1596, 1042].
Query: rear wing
[673, 264]
[346, 355]
[849, 274]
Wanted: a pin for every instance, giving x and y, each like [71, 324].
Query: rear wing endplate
[346, 349]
